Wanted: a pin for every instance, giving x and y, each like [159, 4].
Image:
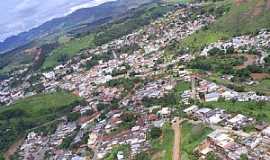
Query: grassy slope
[42, 104]
[69, 49]
[31, 112]
[192, 136]
[258, 110]
[245, 18]
[164, 145]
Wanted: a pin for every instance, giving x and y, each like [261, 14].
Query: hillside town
[124, 84]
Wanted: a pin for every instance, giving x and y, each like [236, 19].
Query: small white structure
[237, 119]
[165, 112]
[266, 131]
[120, 155]
[49, 75]
[214, 96]
[92, 139]
[191, 109]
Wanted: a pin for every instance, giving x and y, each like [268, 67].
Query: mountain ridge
[84, 15]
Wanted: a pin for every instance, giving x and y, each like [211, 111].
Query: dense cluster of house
[244, 44]
[209, 91]
[101, 128]
[155, 89]
[147, 48]
[228, 140]
[38, 146]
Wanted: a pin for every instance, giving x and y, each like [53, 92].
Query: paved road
[177, 139]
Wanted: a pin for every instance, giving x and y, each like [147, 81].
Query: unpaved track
[177, 140]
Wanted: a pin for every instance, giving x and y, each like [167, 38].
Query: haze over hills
[58, 25]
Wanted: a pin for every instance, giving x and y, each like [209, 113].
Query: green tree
[211, 156]
[142, 156]
[155, 133]
[243, 157]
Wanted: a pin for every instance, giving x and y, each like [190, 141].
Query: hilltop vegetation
[31, 112]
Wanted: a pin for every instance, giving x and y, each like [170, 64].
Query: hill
[241, 17]
[31, 112]
[80, 37]
[87, 15]
[60, 31]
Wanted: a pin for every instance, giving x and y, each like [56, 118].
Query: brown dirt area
[250, 59]
[13, 148]
[260, 76]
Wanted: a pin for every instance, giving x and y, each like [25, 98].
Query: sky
[17, 16]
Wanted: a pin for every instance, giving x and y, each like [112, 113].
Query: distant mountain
[87, 15]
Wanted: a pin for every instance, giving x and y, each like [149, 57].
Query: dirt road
[177, 140]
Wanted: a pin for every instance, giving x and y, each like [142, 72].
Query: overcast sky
[21, 15]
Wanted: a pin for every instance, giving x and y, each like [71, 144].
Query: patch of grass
[262, 87]
[192, 136]
[218, 64]
[68, 49]
[42, 104]
[113, 154]
[258, 110]
[165, 143]
[181, 87]
[201, 39]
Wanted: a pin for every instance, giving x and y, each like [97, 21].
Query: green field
[68, 50]
[163, 147]
[181, 87]
[192, 136]
[258, 110]
[31, 112]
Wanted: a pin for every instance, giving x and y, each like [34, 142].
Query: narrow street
[177, 140]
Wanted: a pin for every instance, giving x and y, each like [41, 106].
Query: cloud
[21, 15]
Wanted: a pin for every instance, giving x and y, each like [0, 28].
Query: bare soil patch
[260, 76]
[13, 148]
[250, 59]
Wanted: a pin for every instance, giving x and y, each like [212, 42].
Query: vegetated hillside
[243, 17]
[86, 15]
[31, 112]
